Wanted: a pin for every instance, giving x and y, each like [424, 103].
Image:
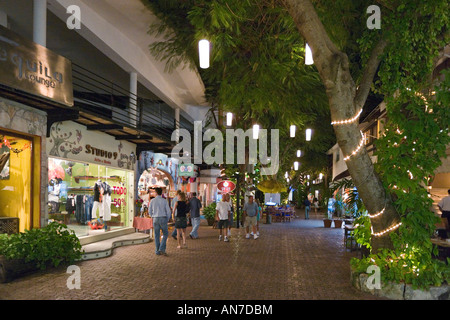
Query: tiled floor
[290, 261]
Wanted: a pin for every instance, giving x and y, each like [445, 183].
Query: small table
[141, 223]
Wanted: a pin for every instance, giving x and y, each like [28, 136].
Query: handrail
[95, 93]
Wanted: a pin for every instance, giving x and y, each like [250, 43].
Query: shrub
[51, 245]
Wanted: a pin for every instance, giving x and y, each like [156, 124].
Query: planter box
[12, 269]
[338, 223]
[327, 223]
[400, 291]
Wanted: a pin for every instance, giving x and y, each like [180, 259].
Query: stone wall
[400, 291]
[21, 118]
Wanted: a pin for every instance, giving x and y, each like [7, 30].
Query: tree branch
[325, 52]
[369, 73]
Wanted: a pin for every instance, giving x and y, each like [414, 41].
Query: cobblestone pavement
[290, 261]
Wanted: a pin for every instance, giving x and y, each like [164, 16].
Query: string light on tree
[347, 121]
[361, 144]
[371, 216]
[392, 228]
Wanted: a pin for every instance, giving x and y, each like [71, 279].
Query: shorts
[250, 221]
[223, 224]
[180, 222]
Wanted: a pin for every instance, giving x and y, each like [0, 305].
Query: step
[101, 234]
[104, 248]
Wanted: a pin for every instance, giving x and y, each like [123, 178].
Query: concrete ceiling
[113, 41]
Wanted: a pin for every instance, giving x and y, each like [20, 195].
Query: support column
[40, 22]
[177, 124]
[133, 112]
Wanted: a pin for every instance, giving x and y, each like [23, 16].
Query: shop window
[16, 183]
[71, 195]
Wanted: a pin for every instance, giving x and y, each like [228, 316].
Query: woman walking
[181, 208]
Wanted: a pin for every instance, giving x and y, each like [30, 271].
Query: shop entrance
[151, 179]
[16, 182]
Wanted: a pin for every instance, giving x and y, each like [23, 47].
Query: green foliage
[53, 244]
[257, 68]
[405, 268]
[210, 211]
[352, 204]
[363, 231]
[415, 135]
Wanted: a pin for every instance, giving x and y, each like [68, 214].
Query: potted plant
[35, 249]
[209, 212]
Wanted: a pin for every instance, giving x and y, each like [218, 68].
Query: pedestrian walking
[159, 210]
[172, 205]
[250, 214]
[222, 216]
[315, 204]
[181, 208]
[194, 207]
[231, 217]
[307, 204]
[258, 217]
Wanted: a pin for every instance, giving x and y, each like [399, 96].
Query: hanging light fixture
[320, 176]
[255, 131]
[308, 56]
[286, 175]
[292, 130]
[229, 119]
[308, 134]
[203, 53]
[299, 153]
[296, 165]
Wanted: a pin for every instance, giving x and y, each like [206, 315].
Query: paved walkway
[290, 261]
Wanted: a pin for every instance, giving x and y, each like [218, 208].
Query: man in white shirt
[222, 215]
[444, 206]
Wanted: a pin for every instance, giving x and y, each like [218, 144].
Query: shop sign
[226, 186]
[30, 67]
[186, 170]
[70, 140]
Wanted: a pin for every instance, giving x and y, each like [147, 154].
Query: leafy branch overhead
[257, 65]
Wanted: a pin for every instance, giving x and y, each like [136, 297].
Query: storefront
[36, 77]
[90, 179]
[155, 170]
[208, 180]
[22, 137]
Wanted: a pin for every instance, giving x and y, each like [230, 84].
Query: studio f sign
[101, 153]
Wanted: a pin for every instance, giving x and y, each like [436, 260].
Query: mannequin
[107, 191]
[98, 195]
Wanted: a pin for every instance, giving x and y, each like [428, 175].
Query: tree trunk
[345, 102]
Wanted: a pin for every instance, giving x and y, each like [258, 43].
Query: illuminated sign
[226, 186]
